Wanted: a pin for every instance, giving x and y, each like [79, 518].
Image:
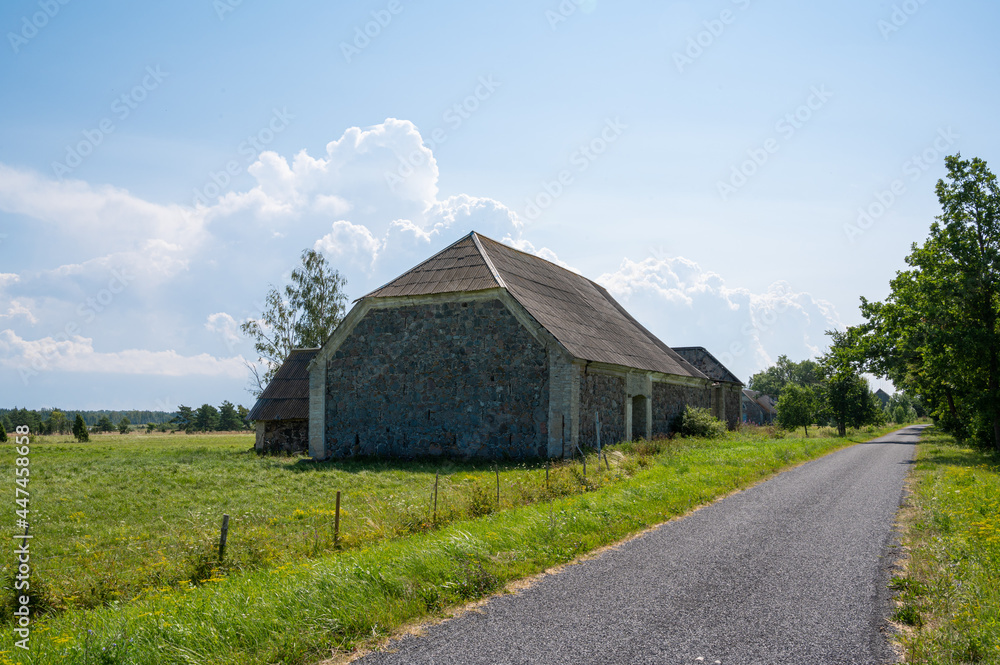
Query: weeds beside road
[949, 604]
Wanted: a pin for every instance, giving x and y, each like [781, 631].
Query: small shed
[281, 413]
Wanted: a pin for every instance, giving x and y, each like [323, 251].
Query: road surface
[793, 570]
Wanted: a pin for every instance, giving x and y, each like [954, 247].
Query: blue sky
[161, 164]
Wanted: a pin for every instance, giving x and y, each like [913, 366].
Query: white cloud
[688, 306]
[226, 326]
[76, 354]
[18, 308]
[96, 216]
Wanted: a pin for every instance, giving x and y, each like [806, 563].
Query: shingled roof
[708, 364]
[579, 313]
[286, 397]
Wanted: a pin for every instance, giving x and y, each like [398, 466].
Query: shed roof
[286, 397]
[580, 314]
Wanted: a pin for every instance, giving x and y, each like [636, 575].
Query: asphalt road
[794, 570]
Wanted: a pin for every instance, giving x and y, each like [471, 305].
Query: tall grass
[298, 606]
[949, 602]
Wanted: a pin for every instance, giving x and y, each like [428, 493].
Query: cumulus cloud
[688, 306]
[76, 354]
[370, 202]
[96, 216]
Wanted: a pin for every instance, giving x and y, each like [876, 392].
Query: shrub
[700, 422]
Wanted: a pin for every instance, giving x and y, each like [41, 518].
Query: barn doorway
[638, 417]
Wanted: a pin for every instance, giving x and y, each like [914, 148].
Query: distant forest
[36, 419]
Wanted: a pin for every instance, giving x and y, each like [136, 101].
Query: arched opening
[639, 417]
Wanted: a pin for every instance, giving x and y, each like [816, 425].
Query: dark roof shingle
[579, 313]
[286, 397]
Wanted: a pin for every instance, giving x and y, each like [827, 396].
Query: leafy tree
[185, 418]
[104, 424]
[229, 419]
[303, 317]
[5, 421]
[772, 381]
[938, 332]
[124, 426]
[150, 428]
[850, 401]
[57, 422]
[243, 413]
[796, 407]
[3, 433]
[80, 429]
[206, 418]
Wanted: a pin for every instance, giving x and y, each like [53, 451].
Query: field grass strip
[307, 611]
[948, 607]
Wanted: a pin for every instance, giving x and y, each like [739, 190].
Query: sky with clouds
[736, 172]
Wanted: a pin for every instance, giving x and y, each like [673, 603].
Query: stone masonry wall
[734, 396]
[275, 437]
[459, 379]
[669, 401]
[605, 395]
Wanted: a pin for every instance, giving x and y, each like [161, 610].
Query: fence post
[597, 426]
[336, 523]
[563, 434]
[223, 536]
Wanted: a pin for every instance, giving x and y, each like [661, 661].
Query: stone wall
[605, 395]
[276, 437]
[734, 397]
[669, 401]
[460, 379]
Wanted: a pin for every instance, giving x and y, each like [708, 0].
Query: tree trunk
[806, 428]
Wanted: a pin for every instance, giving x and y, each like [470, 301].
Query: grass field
[125, 532]
[950, 596]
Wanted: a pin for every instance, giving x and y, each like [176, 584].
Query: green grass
[949, 595]
[285, 596]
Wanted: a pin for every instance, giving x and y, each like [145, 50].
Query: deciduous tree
[303, 316]
[797, 407]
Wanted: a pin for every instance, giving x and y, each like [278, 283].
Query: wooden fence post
[564, 437]
[597, 426]
[336, 523]
[435, 497]
[223, 536]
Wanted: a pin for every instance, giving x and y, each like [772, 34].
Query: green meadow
[126, 530]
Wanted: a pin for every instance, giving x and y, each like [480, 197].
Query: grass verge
[304, 610]
[948, 606]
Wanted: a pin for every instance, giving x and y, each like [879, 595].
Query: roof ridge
[489, 261]
[428, 260]
[534, 256]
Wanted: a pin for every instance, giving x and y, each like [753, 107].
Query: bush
[700, 422]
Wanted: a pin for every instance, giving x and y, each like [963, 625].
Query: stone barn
[281, 413]
[727, 390]
[483, 351]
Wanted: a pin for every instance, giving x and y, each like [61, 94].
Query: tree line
[824, 391]
[227, 417]
[936, 336]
